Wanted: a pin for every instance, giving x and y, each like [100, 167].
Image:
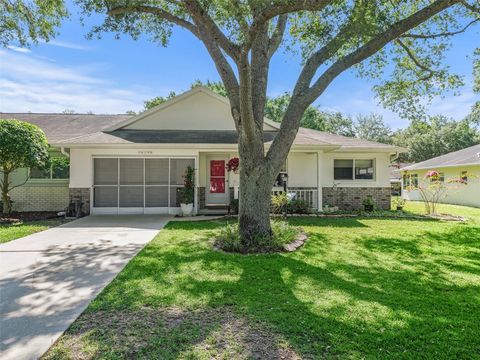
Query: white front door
[217, 181]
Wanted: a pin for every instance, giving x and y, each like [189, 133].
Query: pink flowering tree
[433, 187]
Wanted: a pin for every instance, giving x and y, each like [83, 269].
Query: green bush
[283, 233]
[298, 207]
[279, 203]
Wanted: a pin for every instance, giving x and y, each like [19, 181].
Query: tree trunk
[7, 206]
[254, 210]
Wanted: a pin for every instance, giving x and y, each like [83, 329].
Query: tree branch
[277, 36]
[412, 56]
[282, 8]
[201, 17]
[242, 22]
[444, 34]
[470, 7]
[121, 10]
[302, 99]
[202, 32]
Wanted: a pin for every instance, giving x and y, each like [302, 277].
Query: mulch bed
[16, 217]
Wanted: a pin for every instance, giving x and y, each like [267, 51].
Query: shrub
[297, 206]
[187, 193]
[283, 233]
[279, 203]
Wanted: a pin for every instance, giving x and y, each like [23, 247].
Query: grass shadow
[344, 294]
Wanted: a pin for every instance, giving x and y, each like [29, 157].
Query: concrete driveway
[47, 279]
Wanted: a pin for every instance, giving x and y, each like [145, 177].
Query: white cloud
[19, 49]
[68, 45]
[29, 84]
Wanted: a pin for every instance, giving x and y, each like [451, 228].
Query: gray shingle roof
[468, 156]
[163, 137]
[90, 129]
[60, 127]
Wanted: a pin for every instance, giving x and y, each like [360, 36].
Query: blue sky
[113, 76]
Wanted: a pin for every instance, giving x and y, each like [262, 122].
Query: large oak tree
[408, 38]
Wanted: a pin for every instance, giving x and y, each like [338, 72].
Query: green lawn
[359, 288]
[15, 231]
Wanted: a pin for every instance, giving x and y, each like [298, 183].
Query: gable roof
[468, 156]
[269, 125]
[103, 130]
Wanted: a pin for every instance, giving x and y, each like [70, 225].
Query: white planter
[187, 209]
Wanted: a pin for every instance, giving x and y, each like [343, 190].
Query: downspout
[64, 152]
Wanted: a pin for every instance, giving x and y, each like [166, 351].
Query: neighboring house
[122, 164]
[464, 164]
[396, 177]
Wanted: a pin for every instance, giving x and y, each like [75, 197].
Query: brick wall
[350, 198]
[82, 195]
[40, 198]
[201, 197]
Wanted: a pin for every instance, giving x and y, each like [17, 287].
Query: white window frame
[353, 170]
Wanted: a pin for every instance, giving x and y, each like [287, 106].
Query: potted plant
[187, 192]
[399, 203]
[368, 203]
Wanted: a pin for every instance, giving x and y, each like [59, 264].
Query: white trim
[437, 167]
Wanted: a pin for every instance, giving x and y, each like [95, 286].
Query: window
[354, 169]
[343, 170]
[59, 169]
[439, 178]
[364, 169]
[464, 177]
[410, 180]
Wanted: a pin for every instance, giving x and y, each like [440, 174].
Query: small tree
[433, 188]
[22, 145]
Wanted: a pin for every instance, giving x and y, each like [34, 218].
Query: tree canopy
[436, 136]
[29, 21]
[22, 145]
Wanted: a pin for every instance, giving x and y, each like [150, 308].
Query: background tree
[372, 127]
[333, 36]
[22, 145]
[27, 21]
[434, 137]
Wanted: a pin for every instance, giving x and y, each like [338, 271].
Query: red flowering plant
[433, 188]
[233, 165]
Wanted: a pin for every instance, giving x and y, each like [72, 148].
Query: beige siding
[200, 111]
[302, 169]
[468, 195]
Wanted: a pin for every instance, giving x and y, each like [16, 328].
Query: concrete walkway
[47, 279]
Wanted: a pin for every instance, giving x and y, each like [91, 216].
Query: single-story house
[123, 164]
[463, 164]
[396, 177]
